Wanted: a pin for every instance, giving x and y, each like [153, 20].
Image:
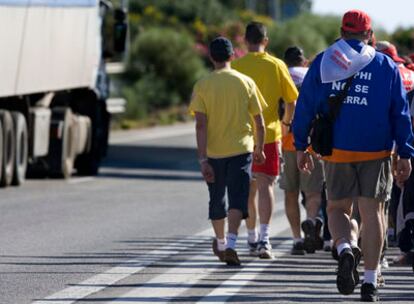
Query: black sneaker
[334, 252]
[345, 281]
[310, 236]
[318, 230]
[406, 237]
[253, 249]
[369, 293]
[357, 258]
[298, 249]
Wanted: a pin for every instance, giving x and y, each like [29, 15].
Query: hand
[403, 171]
[208, 172]
[305, 162]
[259, 156]
[285, 130]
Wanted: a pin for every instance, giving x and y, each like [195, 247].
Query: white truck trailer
[54, 117]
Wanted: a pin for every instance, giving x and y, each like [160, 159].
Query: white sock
[264, 232]
[231, 240]
[342, 246]
[297, 240]
[252, 235]
[354, 243]
[312, 220]
[370, 276]
[221, 244]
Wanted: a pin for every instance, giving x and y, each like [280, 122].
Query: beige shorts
[292, 179]
[370, 179]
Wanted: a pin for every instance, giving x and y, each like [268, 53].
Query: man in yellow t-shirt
[274, 82]
[225, 104]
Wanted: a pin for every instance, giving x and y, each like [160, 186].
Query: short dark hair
[294, 56]
[352, 35]
[221, 49]
[256, 32]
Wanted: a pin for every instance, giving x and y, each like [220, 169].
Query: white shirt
[298, 74]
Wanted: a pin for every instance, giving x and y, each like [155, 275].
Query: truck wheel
[1, 148]
[22, 148]
[8, 149]
[88, 164]
[62, 145]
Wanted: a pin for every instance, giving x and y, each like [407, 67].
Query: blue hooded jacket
[374, 114]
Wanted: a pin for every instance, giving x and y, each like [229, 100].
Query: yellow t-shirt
[230, 100]
[274, 82]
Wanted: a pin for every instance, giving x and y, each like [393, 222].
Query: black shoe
[318, 230]
[298, 249]
[334, 252]
[357, 258]
[310, 236]
[406, 237]
[231, 257]
[345, 277]
[369, 293]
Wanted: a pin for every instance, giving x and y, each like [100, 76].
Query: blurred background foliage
[169, 38]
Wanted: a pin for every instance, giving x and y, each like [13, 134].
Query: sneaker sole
[266, 255]
[345, 281]
[309, 242]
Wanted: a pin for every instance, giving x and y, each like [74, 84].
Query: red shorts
[271, 165]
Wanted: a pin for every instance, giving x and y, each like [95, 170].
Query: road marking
[182, 274]
[227, 289]
[153, 134]
[110, 277]
[79, 180]
[115, 274]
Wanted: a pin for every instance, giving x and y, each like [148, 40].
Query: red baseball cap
[390, 50]
[356, 21]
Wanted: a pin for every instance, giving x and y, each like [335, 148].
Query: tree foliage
[162, 69]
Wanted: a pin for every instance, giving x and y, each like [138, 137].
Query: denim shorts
[232, 175]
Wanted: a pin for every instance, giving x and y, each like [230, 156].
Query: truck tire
[21, 148]
[62, 146]
[88, 164]
[1, 148]
[8, 148]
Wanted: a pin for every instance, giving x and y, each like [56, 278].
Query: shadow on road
[151, 163]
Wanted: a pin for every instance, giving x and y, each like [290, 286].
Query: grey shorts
[292, 179]
[370, 179]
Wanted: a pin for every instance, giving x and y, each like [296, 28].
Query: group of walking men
[240, 133]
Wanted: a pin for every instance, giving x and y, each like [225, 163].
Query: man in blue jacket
[374, 115]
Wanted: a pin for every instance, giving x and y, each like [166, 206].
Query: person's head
[294, 57]
[390, 50]
[221, 50]
[356, 25]
[256, 34]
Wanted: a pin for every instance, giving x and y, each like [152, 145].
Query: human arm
[258, 154]
[201, 136]
[287, 118]
[304, 162]
[401, 125]
[306, 105]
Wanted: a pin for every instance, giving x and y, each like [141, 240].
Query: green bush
[161, 71]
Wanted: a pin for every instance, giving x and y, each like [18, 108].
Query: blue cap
[221, 49]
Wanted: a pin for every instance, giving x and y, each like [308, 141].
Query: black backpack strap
[335, 102]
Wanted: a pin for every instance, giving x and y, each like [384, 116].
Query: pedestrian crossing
[185, 271]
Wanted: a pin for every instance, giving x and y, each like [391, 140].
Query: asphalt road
[138, 233]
